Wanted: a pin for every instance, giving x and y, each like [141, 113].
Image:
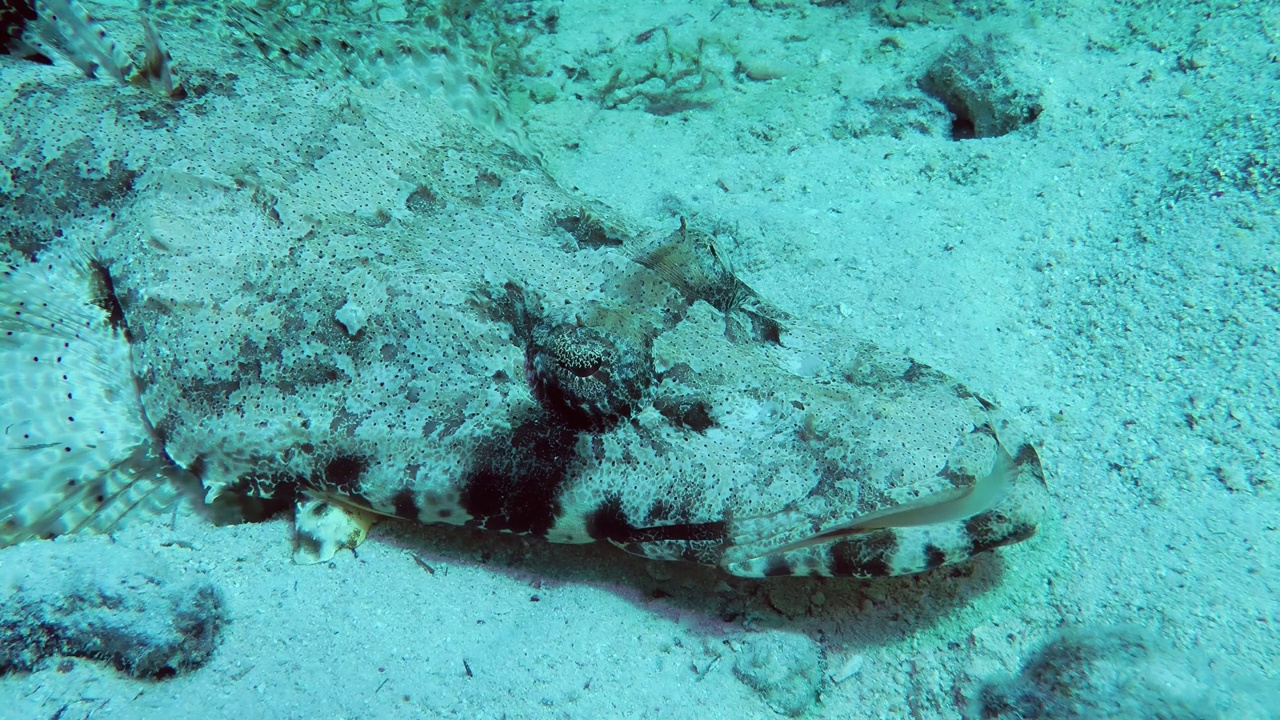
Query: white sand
[1106, 273]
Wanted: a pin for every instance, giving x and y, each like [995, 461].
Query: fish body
[369, 299]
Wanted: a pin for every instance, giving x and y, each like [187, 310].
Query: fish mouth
[1000, 507]
[953, 505]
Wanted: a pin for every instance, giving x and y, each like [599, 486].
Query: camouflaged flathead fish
[350, 286]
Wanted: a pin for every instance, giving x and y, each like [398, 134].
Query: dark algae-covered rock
[98, 601]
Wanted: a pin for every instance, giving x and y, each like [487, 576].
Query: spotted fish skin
[380, 305]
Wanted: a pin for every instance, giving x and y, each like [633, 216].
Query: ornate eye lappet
[587, 377]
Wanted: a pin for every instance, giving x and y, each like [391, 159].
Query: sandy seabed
[1108, 270]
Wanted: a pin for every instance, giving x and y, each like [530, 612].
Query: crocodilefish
[340, 280]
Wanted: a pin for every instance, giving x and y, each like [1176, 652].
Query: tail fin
[75, 449]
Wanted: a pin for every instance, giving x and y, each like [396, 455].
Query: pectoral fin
[322, 528]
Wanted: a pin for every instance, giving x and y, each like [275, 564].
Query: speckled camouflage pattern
[363, 298]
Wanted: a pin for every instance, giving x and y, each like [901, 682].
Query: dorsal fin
[408, 52]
